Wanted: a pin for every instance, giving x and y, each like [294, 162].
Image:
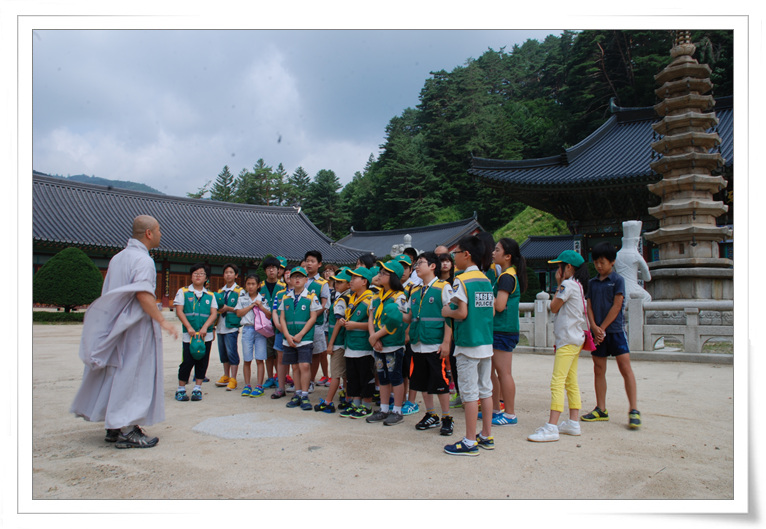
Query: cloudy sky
[170, 108]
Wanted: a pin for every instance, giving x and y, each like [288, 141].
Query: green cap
[197, 347]
[404, 258]
[344, 274]
[393, 266]
[299, 270]
[367, 273]
[282, 261]
[569, 257]
[391, 318]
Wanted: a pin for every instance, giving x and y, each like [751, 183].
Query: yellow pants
[565, 377]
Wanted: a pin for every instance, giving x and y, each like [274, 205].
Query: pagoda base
[677, 283]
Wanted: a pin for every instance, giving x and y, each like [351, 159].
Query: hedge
[57, 317]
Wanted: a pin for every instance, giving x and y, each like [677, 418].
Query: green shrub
[68, 279]
[57, 317]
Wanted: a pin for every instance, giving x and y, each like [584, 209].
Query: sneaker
[232, 385]
[347, 411]
[431, 420]
[289, 380]
[460, 449]
[205, 379]
[311, 387]
[223, 381]
[270, 383]
[246, 391]
[569, 427]
[545, 434]
[181, 396]
[135, 438]
[499, 419]
[196, 395]
[329, 407]
[112, 434]
[342, 394]
[361, 412]
[343, 405]
[596, 415]
[278, 394]
[634, 419]
[324, 381]
[289, 387]
[447, 425]
[393, 418]
[455, 401]
[378, 416]
[306, 404]
[294, 402]
[408, 408]
[257, 391]
[487, 443]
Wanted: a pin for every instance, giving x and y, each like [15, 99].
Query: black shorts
[614, 344]
[429, 373]
[360, 374]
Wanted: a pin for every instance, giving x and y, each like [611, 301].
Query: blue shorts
[227, 348]
[297, 355]
[614, 344]
[389, 367]
[278, 339]
[505, 341]
[253, 344]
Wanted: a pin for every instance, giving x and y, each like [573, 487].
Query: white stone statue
[630, 263]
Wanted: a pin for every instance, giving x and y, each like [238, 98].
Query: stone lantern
[689, 266]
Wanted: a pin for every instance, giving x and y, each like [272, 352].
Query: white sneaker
[545, 434]
[569, 427]
[311, 387]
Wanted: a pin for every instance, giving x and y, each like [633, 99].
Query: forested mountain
[531, 101]
[120, 184]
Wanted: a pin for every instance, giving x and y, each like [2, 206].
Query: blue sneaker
[196, 395]
[499, 419]
[460, 449]
[294, 402]
[487, 443]
[246, 391]
[270, 383]
[408, 408]
[306, 404]
[257, 391]
[181, 396]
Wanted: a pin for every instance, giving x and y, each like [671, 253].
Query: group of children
[392, 329]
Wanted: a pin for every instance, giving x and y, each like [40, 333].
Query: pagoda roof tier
[605, 175]
[96, 217]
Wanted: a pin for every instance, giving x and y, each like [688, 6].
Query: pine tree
[298, 187]
[68, 279]
[224, 189]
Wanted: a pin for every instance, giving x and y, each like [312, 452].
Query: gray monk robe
[121, 348]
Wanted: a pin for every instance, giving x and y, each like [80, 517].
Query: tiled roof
[424, 238]
[618, 152]
[94, 216]
[547, 248]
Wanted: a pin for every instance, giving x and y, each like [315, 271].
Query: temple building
[97, 219]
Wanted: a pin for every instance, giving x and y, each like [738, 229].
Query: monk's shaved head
[143, 223]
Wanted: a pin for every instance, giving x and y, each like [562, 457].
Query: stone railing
[691, 322]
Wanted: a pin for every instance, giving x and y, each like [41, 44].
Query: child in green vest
[472, 314]
[196, 309]
[336, 345]
[321, 289]
[508, 287]
[431, 339]
[360, 369]
[268, 290]
[387, 329]
[228, 327]
[298, 313]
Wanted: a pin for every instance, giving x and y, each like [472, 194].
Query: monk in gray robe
[121, 345]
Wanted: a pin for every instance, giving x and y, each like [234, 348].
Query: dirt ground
[255, 448]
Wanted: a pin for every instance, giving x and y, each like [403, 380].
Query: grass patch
[532, 221]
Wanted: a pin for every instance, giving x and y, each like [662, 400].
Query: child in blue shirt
[606, 301]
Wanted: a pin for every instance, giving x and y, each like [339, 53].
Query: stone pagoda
[689, 266]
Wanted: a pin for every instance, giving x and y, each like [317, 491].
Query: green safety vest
[316, 288]
[332, 319]
[357, 311]
[476, 328]
[397, 337]
[298, 314]
[508, 320]
[197, 311]
[231, 319]
[427, 325]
